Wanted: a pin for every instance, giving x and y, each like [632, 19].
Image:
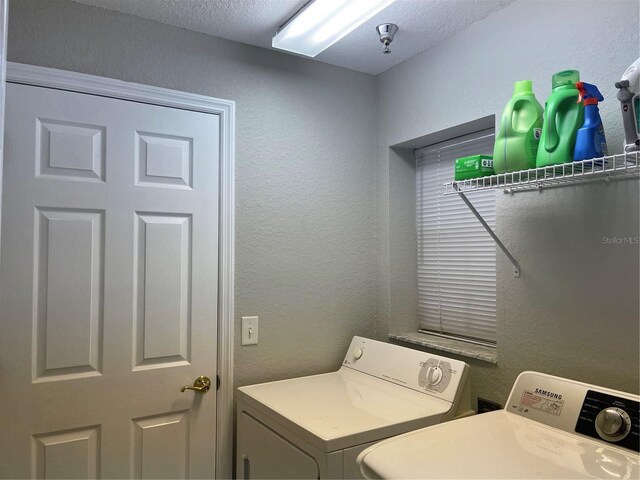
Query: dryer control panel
[596, 412]
[427, 373]
[435, 374]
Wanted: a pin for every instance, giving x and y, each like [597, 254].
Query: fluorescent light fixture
[321, 23]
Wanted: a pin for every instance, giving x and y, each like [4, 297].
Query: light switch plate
[249, 330]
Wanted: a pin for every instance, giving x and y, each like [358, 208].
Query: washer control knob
[434, 375]
[357, 353]
[612, 422]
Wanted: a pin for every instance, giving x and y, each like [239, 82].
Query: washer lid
[344, 408]
[495, 445]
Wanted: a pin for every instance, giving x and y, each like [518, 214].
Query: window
[456, 256]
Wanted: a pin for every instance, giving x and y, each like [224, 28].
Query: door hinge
[217, 382]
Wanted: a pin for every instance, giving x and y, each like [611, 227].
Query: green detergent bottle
[517, 141]
[563, 117]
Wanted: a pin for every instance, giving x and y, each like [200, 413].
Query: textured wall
[305, 188]
[574, 312]
[321, 249]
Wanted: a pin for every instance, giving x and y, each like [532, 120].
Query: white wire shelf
[605, 168]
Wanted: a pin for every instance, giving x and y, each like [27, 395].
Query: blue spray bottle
[590, 139]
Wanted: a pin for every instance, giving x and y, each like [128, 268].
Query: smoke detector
[387, 31]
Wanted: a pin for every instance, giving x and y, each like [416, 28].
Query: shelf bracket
[514, 262]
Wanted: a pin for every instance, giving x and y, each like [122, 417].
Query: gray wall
[325, 208]
[305, 189]
[574, 312]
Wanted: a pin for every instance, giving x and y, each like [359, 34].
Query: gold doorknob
[202, 385]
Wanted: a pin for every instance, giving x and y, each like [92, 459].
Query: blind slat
[456, 256]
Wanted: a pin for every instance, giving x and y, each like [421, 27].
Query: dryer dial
[434, 375]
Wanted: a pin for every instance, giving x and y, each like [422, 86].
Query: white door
[108, 288]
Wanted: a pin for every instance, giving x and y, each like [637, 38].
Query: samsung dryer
[551, 428]
[315, 427]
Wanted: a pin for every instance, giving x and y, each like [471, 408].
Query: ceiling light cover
[321, 23]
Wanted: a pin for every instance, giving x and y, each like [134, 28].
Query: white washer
[551, 428]
[315, 427]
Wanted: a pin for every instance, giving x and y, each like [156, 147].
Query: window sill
[459, 347]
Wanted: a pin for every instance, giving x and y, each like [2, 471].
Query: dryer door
[262, 453]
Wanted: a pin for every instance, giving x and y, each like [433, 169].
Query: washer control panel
[599, 413]
[611, 418]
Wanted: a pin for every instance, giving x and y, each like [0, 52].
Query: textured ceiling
[422, 23]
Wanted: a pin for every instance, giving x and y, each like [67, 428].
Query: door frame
[4, 20]
[225, 109]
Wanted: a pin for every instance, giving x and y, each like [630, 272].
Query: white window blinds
[456, 256]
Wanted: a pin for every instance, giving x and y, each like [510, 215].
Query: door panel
[161, 446]
[163, 290]
[71, 150]
[68, 328]
[164, 160]
[108, 287]
[70, 454]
